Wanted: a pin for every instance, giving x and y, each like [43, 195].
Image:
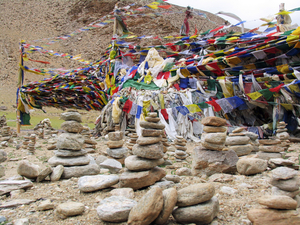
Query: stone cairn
[130, 130]
[269, 149]
[90, 144]
[115, 145]
[210, 158]
[44, 128]
[180, 152]
[142, 170]
[70, 153]
[239, 142]
[6, 134]
[283, 135]
[283, 202]
[132, 141]
[3, 121]
[31, 144]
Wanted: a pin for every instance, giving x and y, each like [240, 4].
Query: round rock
[278, 202]
[136, 163]
[68, 209]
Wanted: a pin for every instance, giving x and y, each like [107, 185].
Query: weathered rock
[3, 156]
[151, 132]
[251, 135]
[164, 184]
[115, 209]
[154, 151]
[115, 144]
[148, 140]
[148, 207]
[97, 182]
[277, 191]
[67, 116]
[180, 153]
[113, 165]
[210, 162]
[283, 135]
[283, 173]
[281, 162]
[180, 147]
[269, 141]
[43, 174]
[138, 180]
[240, 140]
[71, 126]
[214, 138]
[6, 186]
[149, 125]
[101, 159]
[179, 142]
[287, 185]
[70, 141]
[249, 166]
[116, 136]
[45, 205]
[273, 217]
[153, 120]
[69, 153]
[271, 148]
[79, 171]
[67, 209]
[152, 114]
[211, 146]
[184, 171]
[221, 178]
[278, 202]
[135, 163]
[195, 194]
[16, 202]
[117, 153]
[174, 178]
[241, 149]
[125, 192]
[238, 130]
[57, 173]
[268, 155]
[169, 202]
[74, 161]
[213, 121]
[27, 169]
[202, 213]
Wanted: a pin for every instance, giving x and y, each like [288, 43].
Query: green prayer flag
[266, 93]
[141, 85]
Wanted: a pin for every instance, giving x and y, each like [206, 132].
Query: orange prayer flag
[164, 6]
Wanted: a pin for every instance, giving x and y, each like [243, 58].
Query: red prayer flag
[127, 106]
[165, 114]
[276, 89]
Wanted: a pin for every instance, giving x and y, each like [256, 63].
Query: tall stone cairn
[239, 142]
[283, 135]
[70, 153]
[180, 152]
[141, 167]
[31, 144]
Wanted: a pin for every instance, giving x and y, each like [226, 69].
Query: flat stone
[51, 147]
[27, 169]
[115, 144]
[70, 141]
[154, 151]
[282, 162]
[43, 174]
[135, 163]
[179, 147]
[241, 149]
[133, 135]
[214, 138]
[251, 135]
[101, 159]
[174, 178]
[273, 216]
[69, 153]
[180, 142]
[249, 166]
[202, 213]
[67, 116]
[115, 209]
[149, 125]
[278, 202]
[281, 130]
[152, 114]
[283, 173]
[180, 153]
[45, 205]
[97, 182]
[151, 119]
[283, 135]
[238, 130]
[213, 129]
[211, 146]
[148, 208]
[117, 153]
[7, 186]
[236, 134]
[57, 173]
[169, 202]
[241, 140]
[271, 148]
[68, 209]
[138, 180]
[164, 184]
[90, 141]
[79, 171]
[16, 202]
[71, 127]
[125, 192]
[181, 157]
[213, 121]
[277, 191]
[268, 155]
[151, 133]
[113, 165]
[74, 161]
[287, 185]
[116, 136]
[269, 141]
[184, 171]
[206, 162]
[148, 140]
[195, 194]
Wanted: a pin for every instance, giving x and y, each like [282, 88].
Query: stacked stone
[132, 141]
[180, 152]
[40, 131]
[70, 151]
[6, 134]
[281, 131]
[239, 142]
[26, 141]
[269, 149]
[31, 144]
[210, 158]
[130, 130]
[196, 204]
[142, 170]
[115, 145]
[3, 121]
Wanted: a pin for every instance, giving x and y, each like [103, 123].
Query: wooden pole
[20, 82]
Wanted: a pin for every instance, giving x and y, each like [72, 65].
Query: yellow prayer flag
[284, 13]
[193, 108]
[254, 95]
[287, 106]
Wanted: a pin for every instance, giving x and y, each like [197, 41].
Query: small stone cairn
[142, 170]
[132, 141]
[3, 122]
[70, 151]
[31, 144]
[270, 148]
[239, 142]
[282, 204]
[281, 131]
[90, 144]
[115, 145]
[6, 136]
[180, 152]
[130, 130]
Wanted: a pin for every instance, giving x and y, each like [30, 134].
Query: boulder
[71, 126]
[211, 146]
[277, 191]
[125, 192]
[151, 119]
[57, 173]
[67, 116]
[184, 171]
[271, 148]
[70, 141]
[6, 186]
[283, 173]
[269, 141]
[27, 169]
[43, 174]
[268, 155]
[250, 166]
[116, 136]
[213, 129]
[97, 182]
[45, 205]
[3, 156]
[115, 144]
